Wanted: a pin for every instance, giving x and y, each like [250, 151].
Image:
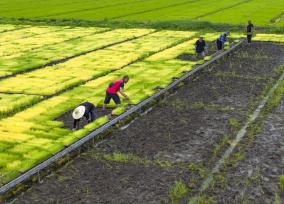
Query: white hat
[78, 112]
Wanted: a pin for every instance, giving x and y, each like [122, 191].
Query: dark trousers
[249, 37]
[90, 116]
[114, 97]
[219, 44]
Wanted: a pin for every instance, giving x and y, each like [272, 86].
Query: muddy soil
[257, 61]
[91, 181]
[255, 179]
[188, 129]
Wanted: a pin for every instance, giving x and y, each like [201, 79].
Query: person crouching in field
[113, 89]
[249, 32]
[86, 110]
[221, 41]
[200, 46]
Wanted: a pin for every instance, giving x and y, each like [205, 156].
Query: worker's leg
[116, 99]
[75, 124]
[196, 55]
[92, 114]
[219, 45]
[107, 100]
[203, 53]
[249, 37]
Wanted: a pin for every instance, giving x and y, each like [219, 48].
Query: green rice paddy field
[46, 71]
[262, 12]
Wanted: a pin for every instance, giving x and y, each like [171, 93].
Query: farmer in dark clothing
[113, 89]
[221, 41]
[86, 110]
[200, 46]
[249, 32]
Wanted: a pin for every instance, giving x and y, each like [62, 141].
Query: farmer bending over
[113, 89]
[249, 32]
[221, 41]
[85, 109]
[200, 47]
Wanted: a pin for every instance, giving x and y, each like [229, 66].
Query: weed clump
[177, 191]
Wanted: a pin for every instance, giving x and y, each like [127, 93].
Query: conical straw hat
[78, 112]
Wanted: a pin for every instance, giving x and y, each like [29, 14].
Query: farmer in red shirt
[114, 87]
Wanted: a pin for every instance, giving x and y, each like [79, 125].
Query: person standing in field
[200, 46]
[221, 41]
[86, 110]
[249, 31]
[113, 89]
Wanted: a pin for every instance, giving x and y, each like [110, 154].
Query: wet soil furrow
[256, 177]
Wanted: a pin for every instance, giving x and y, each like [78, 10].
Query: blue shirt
[223, 38]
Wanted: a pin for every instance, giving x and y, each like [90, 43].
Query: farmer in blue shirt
[221, 41]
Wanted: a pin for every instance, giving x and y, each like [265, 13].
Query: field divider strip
[155, 9]
[60, 61]
[219, 164]
[91, 9]
[222, 9]
[31, 6]
[21, 93]
[35, 170]
[277, 18]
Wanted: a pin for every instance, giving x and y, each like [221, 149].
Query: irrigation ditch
[34, 174]
[166, 155]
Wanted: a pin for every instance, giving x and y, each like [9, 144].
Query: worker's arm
[123, 94]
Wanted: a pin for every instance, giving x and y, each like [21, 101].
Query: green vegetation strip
[211, 11]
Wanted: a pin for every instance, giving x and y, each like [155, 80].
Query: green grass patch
[177, 191]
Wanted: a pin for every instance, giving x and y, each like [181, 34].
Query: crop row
[8, 37]
[270, 37]
[54, 35]
[260, 11]
[25, 61]
[7, 27]
[36, 8]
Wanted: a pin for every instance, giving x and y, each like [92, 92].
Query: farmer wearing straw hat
[86, 110]
[113, 89]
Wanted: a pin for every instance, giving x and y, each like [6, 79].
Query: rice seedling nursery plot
[54, 55]
[7, 37]
[22, 62]
[54, 36]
